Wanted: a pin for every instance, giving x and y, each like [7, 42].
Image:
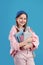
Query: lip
[22, 22]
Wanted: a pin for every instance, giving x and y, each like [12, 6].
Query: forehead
[23, 15]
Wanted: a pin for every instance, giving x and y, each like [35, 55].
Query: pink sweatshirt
[15, 45]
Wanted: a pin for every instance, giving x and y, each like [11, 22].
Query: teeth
[21, 22]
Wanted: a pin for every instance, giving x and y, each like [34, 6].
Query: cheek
[20, 20]
[25, 21]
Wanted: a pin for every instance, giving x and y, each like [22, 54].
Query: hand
[25, 47]
[29, 39]
[28, 46]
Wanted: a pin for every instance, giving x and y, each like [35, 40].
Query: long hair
[20, 13]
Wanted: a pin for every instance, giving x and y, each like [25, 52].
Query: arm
[14, 45]
[25, 42]
[34, 41]
[34, 44]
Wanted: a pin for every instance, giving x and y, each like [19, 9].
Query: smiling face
[21, 20]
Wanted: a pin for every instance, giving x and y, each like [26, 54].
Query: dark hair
[20, 13]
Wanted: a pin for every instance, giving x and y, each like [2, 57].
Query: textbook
[21, 36]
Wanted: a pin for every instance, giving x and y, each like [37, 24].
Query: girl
[22, 51]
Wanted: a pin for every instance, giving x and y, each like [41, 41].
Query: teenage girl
[22, 52]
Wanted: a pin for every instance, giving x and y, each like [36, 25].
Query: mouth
[22, 22]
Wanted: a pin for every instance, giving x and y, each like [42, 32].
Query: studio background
[8, 10]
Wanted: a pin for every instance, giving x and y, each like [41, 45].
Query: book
[21, 36]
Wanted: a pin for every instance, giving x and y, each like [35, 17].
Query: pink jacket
[15, 45]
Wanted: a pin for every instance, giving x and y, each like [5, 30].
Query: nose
[23, 20]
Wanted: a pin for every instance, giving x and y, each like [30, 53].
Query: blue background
[8, 10]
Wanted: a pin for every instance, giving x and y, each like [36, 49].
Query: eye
[24, 18]
[21, 18]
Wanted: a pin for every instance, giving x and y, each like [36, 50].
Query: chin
[22, 24]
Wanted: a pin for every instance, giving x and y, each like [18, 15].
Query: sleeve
[13, 42]
[35, 39]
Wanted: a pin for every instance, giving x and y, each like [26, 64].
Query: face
[21, 20]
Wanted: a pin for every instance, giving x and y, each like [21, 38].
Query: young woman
[22, 52]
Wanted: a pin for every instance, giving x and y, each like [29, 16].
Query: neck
[20, 27]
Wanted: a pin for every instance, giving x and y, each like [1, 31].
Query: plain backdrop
[8, 10]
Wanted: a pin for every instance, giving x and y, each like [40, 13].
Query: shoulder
[13, 26]
[29, 28]
[13, 29]
[32, 31]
